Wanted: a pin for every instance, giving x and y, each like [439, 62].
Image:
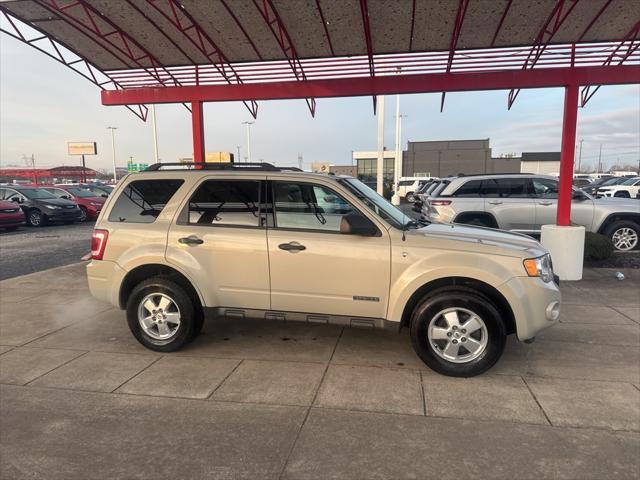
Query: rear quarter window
[141, 201]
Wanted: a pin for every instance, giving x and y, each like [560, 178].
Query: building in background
[453, 157]
[349, 170]
[542, 163]
[367, 165]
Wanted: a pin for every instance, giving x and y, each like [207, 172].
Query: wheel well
[466, 216]
[616, 217]
[144, 272]
[485, 289]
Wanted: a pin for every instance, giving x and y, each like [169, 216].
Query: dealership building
[445, 158]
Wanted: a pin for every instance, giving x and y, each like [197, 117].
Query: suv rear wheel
[457, 332]
[410, 197]
[161, 315]
[625, 235]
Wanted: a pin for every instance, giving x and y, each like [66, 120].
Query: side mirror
[578, 195]
[104, 195]
[66, 197]
[356, 224]
[16, 199]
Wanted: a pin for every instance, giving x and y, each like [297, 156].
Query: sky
[44, 104]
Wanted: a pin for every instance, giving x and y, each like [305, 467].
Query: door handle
[292, 247]
[545, 203]
[192, 240]
[495, 202]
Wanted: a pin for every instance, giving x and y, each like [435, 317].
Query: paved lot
[256, 399]
[29, 250]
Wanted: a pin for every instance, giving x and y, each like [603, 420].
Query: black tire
[622, 194]
[84, 215]
[464, 298]
[35, 218]
[410, 197]
[616, 226]
[189, 318]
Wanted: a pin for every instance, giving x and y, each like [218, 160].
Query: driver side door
[313, 267]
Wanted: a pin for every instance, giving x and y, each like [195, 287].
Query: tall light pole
[113, 152]
[248, 124]
[238, 147]
[395, 199]
[580, 154]
[380, 162]
[155, 133]
[600, 160]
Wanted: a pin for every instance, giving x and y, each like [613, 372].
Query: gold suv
[176, 243]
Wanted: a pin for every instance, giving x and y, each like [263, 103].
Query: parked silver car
[523, 203]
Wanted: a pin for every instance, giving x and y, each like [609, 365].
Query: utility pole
[300, 161]
[580, 154]
[248, 124]
[113, 152]
[238, 147]
[155, 133]
[600, 160]
[395, 199]
[380, 163]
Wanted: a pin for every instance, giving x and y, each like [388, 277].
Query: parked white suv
[408, 186]
[523, 203]
[252, 240]
[627, 189]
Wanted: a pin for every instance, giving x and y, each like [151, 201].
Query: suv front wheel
[161, 315]
[457, 332]
[625, 235]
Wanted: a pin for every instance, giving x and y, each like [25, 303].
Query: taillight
[98, 243]
[439, 203]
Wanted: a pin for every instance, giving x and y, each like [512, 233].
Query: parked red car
[11, 215]
[90, 204]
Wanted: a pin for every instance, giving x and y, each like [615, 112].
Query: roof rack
[261, 166]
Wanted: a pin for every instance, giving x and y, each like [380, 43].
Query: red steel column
[568, 149]
[197, 124]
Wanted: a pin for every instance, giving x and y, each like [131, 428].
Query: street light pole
[395, 199]
[155, 133]
[248, 124]
[113, 152]
[580, 155]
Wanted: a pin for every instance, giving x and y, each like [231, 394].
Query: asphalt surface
[30, 250]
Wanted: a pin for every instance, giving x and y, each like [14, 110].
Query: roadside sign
[82, 148]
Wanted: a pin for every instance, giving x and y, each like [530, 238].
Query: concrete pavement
[254, 399]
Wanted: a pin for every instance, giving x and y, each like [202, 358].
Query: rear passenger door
[510, 201]
[220, 239]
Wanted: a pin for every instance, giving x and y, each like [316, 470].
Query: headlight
[52, 207]
[96, 204]
[539, 267]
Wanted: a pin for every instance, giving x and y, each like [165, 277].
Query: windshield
[81, 192]
[377, 203]
[36, 193]
[630, 181]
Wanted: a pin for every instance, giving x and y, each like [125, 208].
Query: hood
[60, 202]
[629, 204]
[516, 244]
[6, 205]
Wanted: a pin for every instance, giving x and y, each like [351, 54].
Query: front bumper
[62, 215]
[11, 220]
[535, 304]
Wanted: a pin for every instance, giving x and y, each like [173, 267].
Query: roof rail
[212, 166]
[261, 166]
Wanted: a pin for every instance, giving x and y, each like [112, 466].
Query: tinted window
[506, 187]
[230, 203]
[307, 206]
[469, 189]
[544, 188]
[36, 193]
[405, 183]
[142, 201]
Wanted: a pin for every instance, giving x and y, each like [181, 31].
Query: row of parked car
[38, 205]
[524, 202]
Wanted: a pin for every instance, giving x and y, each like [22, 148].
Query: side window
[544, 188]
[226, 203]
[141, 201]
[469, 189]
[11, 194]
[507, 188]
[309, 207]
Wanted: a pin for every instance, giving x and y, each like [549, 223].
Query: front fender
[408, 277]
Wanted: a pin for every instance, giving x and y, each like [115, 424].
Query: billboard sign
[82, 148]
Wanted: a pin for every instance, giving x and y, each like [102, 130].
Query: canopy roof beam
[551, 26]
[21, 31]
[455, 35]
[270, 15]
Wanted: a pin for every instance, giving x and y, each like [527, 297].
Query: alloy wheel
[457, 335]
[159, 316]
[625, 239]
